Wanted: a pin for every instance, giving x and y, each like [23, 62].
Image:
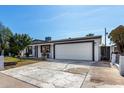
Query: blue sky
[61, 21]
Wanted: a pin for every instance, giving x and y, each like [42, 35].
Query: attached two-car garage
[80, 48]
[75, 50]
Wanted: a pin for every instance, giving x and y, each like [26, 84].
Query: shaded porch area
[39, 51]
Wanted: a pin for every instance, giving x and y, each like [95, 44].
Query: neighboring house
[82, 48]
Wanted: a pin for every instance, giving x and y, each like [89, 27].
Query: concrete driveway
[56, 74]
[68, 74]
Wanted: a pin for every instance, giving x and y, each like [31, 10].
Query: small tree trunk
[19, 56]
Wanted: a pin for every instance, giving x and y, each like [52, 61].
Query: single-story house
[81, 48]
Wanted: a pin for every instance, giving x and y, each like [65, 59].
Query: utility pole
[105, 44]
[105, 36]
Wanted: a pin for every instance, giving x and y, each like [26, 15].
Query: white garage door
[76, 51]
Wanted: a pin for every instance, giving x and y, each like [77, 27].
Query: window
[45, 48]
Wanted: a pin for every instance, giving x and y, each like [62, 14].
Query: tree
[90, 34]
[5, 35]
[19, 42]
[117, 37]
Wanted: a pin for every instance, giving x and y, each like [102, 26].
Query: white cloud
[88, 13]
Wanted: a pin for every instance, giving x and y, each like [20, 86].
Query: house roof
[78, 38]
[37, 41]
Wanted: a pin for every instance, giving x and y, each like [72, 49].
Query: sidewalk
[10, 82]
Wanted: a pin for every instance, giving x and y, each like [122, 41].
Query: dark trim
[67, 40]
[93, 47]
[93, 51]
[76, 39]
[54, 52]
[73, 42]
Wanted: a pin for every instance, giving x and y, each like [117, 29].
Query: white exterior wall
[97, 50]
[39, 52]
[33, 51]
[111, 50]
